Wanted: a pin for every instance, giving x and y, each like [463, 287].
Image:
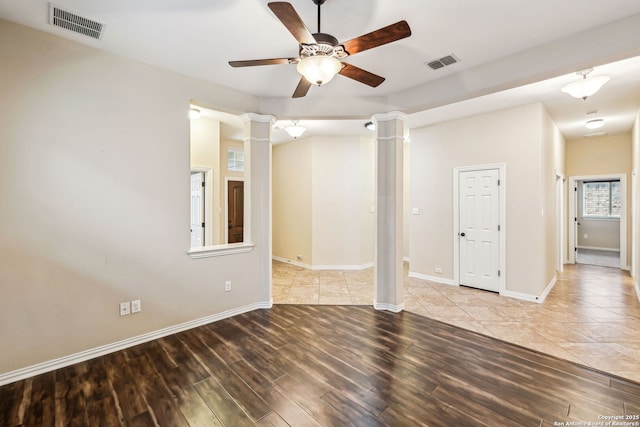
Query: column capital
[257, 127]
[392, 115]
[253, 117]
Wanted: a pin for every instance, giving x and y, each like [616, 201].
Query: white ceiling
[491, 37]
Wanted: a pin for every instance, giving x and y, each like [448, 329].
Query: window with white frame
[601, 199]
[235, 159]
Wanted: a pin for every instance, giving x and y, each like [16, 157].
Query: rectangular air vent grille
[443, 62]
[78, 24]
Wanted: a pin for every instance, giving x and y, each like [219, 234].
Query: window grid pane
[616, 199]
[235, 159]
[602, 199]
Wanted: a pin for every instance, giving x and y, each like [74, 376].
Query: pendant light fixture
[587, 86]
[295, 130]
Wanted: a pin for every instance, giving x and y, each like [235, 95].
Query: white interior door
[479, 224]
[197, 210]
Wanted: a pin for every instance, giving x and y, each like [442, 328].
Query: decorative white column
[390, 134]
[257, 187]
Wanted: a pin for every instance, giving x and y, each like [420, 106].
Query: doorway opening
[201, 229]
[561, 229]
[597, 208]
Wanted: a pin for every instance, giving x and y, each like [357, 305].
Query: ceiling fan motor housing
[326, 45]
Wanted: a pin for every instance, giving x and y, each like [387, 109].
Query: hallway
[590, 317]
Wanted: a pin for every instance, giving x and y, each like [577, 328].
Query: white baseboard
[532, 298]
[388, 307]
[548, 289]
[638, 290]
[521, 296]
[436, 279]
[52, 365]
[323, 267]
[595, 248]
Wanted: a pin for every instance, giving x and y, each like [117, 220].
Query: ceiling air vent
[76, 23]
[443, 62]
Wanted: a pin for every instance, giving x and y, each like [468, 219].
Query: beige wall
[635, 202]
[323, 192]
[606, 155]
[367, 193]
[524, 140]
[292, 221]
[553, 165]
[406, 200]
[94, 175]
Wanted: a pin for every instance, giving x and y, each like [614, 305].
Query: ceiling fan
[320, 53]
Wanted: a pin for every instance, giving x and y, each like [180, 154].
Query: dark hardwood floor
[321, 365]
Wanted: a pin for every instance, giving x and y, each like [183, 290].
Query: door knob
[462, 234]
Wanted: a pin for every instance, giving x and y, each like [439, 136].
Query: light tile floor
[591, 317]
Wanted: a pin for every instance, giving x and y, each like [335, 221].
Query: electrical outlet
[125, 308]
[438, 270]
[299, 257]
[586, 236]
[227, 286]
[136, 306]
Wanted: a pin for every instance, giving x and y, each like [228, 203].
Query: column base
[388, 307]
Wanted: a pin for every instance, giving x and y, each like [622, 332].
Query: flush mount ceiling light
[194, 113]
[295, 130]
[595, 124]
[370, 126]
[587, 86]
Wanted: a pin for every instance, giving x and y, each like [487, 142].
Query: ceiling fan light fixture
[319, 69]
[295, 130]
[595, 124]
[586, 87]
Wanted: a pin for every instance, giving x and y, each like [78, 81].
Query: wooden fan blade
[290, 18]
[363, 76]
[302, 89]
[253, 62]
[385, 35]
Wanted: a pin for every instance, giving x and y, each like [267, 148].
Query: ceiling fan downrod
[319, 3]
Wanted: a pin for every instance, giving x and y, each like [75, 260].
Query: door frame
[573, 206]
[561, 221]
[226, 206]
[208, 203]
[502, 212]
